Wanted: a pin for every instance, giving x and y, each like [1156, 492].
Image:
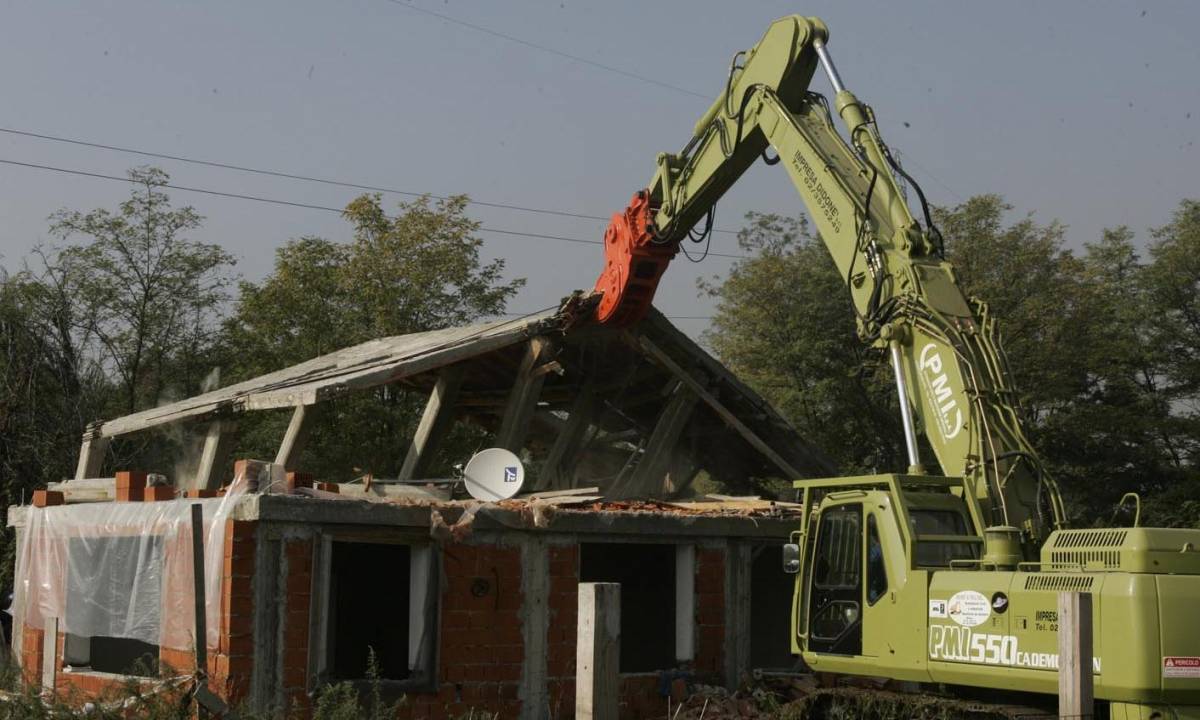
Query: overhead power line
[609, 68]
[309, 206]
[552, 51]
[304, 178]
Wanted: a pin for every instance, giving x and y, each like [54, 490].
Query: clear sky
[1087, 112]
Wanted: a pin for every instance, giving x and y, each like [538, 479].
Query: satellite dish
[494, 474]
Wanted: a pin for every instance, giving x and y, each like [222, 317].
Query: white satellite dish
[494, 474]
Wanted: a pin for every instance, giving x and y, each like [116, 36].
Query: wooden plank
[435, 421]
[648, 477]
[598, 651]
[295, 436]
[558, 493]
[219, 440]
[389, 490]
[522, 400]
[370, 364]
[1076, 696]
[558, 470]
[723, 412]
[91, 453]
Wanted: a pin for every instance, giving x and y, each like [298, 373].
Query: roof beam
[647, 478]
[522, 400]
[558, 471]
[435, 421]
[723, 412]
[296, 435]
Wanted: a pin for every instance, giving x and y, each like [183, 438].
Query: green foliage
[1104, 349]
[419, 270]
[143, 291]
[118, 318]
[784, 324]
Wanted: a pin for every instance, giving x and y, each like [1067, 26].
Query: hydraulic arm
[943, 347]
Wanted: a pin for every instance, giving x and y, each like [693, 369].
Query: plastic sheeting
[122, 569]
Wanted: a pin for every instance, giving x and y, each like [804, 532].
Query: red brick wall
[710, 613]
[481, 645]
[298, 598]
[563, 605]
[229, 663]
[640, 694]
[31, 655]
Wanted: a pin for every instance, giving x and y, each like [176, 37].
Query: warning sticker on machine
[1181, 667]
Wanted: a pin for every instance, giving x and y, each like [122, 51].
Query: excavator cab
[859, 550]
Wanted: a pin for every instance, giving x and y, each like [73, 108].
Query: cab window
[940, 522]
[877, 583]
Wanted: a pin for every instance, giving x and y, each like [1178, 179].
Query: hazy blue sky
[1082, 111]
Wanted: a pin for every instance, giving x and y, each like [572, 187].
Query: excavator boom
[952, 579]
[944, 349]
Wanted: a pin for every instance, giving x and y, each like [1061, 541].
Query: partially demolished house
[465, 606]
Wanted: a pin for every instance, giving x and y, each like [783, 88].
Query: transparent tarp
[122, 569]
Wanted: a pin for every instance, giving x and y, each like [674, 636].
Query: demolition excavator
[947, 579]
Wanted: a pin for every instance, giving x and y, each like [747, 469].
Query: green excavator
[947, 580]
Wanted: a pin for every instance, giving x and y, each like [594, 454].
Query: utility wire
[310, 206]
[609, 68]
[305, 178]
[545, 48]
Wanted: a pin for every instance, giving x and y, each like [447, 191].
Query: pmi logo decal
[941, 395]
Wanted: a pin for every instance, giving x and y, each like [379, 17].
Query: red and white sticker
[1181, 667]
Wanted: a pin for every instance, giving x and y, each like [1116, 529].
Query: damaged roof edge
[424, 518]
[361, 366]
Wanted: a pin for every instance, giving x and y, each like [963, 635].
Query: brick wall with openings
[229, 662]
[481, 647]
[641, 695]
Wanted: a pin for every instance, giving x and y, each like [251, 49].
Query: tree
[148, 295]
[49, 389]
[1172, 317]
[417, 270]
[1173, 284]
[1108, 391]
[784, 324]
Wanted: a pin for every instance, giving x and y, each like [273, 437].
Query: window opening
[369, 602]
[106, 573]
[647, 576]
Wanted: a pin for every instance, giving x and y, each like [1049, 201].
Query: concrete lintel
[287, 509]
